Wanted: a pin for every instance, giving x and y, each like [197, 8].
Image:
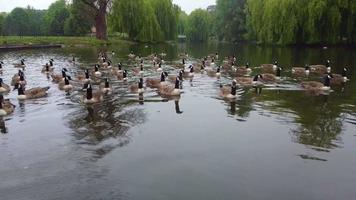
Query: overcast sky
[8, 5]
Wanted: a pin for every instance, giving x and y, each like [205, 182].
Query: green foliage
[145, 20]
[2, 19]
[199, 25]
[79, 21]
[55, 17]
[16, 23]
[301, 21]
[182, 23]
[230, 19]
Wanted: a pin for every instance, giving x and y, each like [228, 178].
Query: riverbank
[57, 40]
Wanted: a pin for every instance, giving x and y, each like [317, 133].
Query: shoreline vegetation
[59, 40]
[75, 41]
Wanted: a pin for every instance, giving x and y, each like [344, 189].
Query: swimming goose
[18, 78]
[137, 88]
[249, 81]
[84, 78]
[3, 87]
[243, 70]
[159, 68]
[271, 78]
[214, 73]
[106, 87]
[21, 64]
[173, 77]
[339, 79]
[321, 69]
[92, 97]
[6, 107]
[59, 77]
[33, 93]
[138, 70]
[156, 83]
[96, 72]
[47, 69]
[300, 71]
[169, 90]
[318, 86]
[131, 55]
[189, 73]
[65, 85]
[269, 68]
[122, 76]
[118, 70]
[228, 92]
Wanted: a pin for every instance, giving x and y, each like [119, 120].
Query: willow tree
[231, 19]
[98, 9]
[137, 19]
[301, 21]
[199, 25]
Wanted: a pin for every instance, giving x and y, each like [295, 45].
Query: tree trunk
[100, 23]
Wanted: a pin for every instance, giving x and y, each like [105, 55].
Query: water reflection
[3, 128]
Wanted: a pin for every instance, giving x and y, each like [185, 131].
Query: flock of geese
[167, 85]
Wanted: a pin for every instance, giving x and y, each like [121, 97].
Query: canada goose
[122, 76]
[180, 76]
[1, 63]
[181, 65]
[321, 69]
[318, 86]
[300, 71]
[47, 69]
[106, 88]
[189, 73]
[33, 93]
[118, 70]
[3, 87]
[73, 60]
[170, 90]
[84, 78]
[92, 97]
[271, 78]
[18, 78]
[65, 85]
[97, 73]
[59, 77]
[269, 68]
[214, 73]
[249, 81]
[243, 70]
[228, 92]
[51, 62]
[156, 83]
[21, 64]
[159, 69]
[6, 107]
[137, 87]
[138, 70]
[339, 79]
[131, 55]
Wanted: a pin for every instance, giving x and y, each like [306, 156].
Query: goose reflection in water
[177, 108]
[3, 128]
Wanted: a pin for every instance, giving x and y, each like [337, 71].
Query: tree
[55, 17]
[137, 19]
[231, 19]
[79, 22]
[182, 24]
[16, 23]
[2, 19]
[98, 9]
[199, 26]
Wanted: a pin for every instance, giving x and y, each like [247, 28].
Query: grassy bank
[67, 41]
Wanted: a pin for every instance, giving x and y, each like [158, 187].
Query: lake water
[278, 143]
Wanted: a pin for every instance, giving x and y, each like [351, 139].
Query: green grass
[68, 41]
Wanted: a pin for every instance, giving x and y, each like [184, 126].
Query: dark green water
[277, 144]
